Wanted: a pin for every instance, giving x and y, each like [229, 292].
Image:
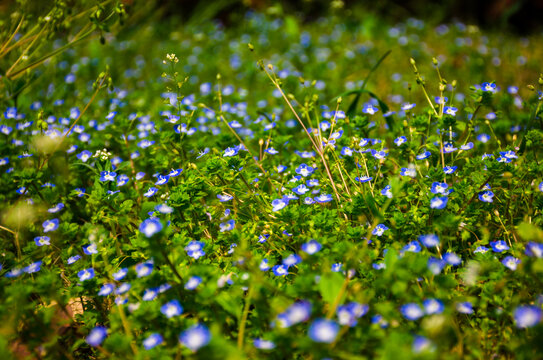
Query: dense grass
[275, 190]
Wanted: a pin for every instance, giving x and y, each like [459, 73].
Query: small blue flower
[164, 209]
[436, 265]
[527, 316]
[449, 110]
[279, 204]
[363, 179]
[409, 171]
[193, 282]
[292, 260]
[489, 87]
[499, 246]
[172, 308]
[311, 247]
[430, 240]
[150, 192]
[50, 225]
[323, 198]
[144, 269]
[33, 267]
[413, 246]
[424, 155]
[452, 259]
[379, 230]
[162, 179]
[379, 155]
[195, 337]
[534, 249]
[106, 289]
[90, 249]
[120, 274]
[225, 197]
[263, 344]
[411, 311]
[42, 240]
[387, 191]
[86, 274]
[96, 336]
[323, 331]
[304, 170]
[194, 249]
[400, 140]
[152, 340]
[73, 259]
[150, 294]
[464, 307]
[511, 262]
[228, 226]
[280, 270]
[449, 169]
[422, 344]
[439, 188]
[150, 227]
[107, 176]
[230, 152]
[438, 202]
[433, 306]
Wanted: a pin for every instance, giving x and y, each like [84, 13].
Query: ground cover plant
[274, 189]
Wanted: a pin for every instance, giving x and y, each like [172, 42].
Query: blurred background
[519, 16]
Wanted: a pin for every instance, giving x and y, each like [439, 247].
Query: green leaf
[330, 286]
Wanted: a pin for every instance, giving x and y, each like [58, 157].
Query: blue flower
[379, 155]
[120, 274]
[144, 269]
[430, 240]
[464, 307]
[280, 270]
[150, 192]
[225, 197]
[152, 340]
[227, 226]
[150, 227]
[195, 337]
[449, 110]
[349, 313]
[193, 282]
[323, 331]
[73, 259]
[411, 311]
[439, 188]
[438, 202]
[86, 274]
[300, 189]
[162, 179]
[480, 249]
[42, 240]
[424, 155]
[499, 246]
[33, 267]
[369, 109]
[311, 247]
[304, 170]
[413, 246]
[410, 171]
[107, 176]
[194, 249]
[50, 225]
[489, 87]
[264, 265]
[172, 308]
[292, 260]
[387, 191]
[150, 294]
[363, 179]
[452, 259]
[433, 306]
[527, 316]
[347, 151]
[400, 140]
[407, 106]
[421, 344]
[84, 155]
[263, 344]
[164, 209]
[467, 146]
[511, 262]
[106, 289]
[323, 198]
[230, 152]
[435, 265]
[96, 336]
[449, 169]
[534, 249]
[90, 249]
[379, 229]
